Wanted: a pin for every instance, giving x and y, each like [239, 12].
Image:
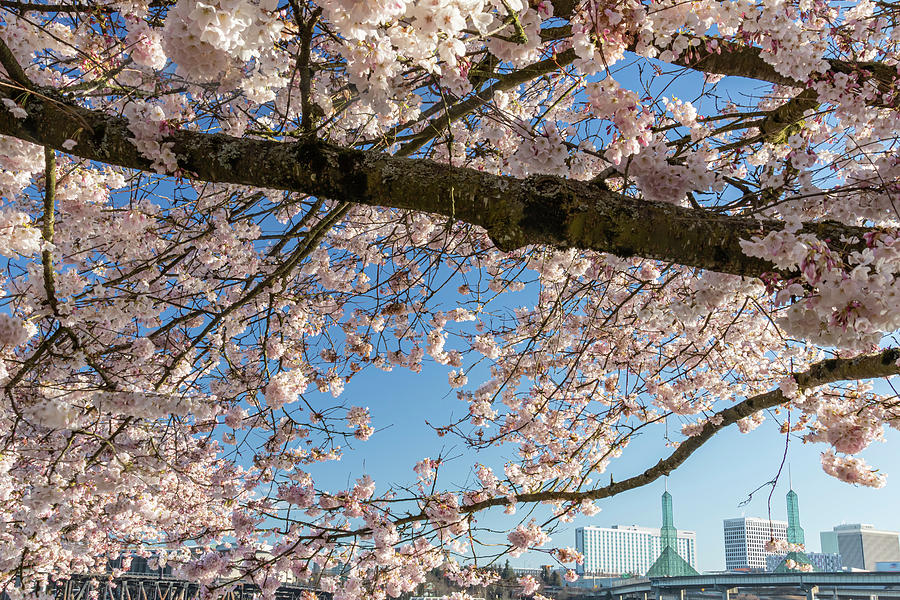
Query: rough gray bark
[515, 212]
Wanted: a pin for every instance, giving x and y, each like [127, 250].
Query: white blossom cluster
[206, 40]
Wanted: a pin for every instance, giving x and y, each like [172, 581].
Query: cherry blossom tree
[216, 213]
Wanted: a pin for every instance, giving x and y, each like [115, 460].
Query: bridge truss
[151, 587]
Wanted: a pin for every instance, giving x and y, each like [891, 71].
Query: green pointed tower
[667, 532]
[794, 535]
[794, 531]
[669, 563]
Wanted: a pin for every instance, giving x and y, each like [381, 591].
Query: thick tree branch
[730, 58]
[733, 59]
[306, 36]
[784, 120]
[725, 57]
[48, 226]
[515, 212]
[53, 8]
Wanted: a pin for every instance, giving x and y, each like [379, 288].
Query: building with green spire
[669, 563]
[794, 531]
[794, 536]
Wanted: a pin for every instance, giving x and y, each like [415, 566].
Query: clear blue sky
[710, 487]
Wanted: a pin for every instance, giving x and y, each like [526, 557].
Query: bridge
[741, 586]
[133, 586]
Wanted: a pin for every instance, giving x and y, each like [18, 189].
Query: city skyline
[744, 542]
[721, 494]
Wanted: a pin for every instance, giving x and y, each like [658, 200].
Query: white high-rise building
[745, 541]
[630, 549]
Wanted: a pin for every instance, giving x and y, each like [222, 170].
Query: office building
[745, 541]
[862, 546]
[620, 550]
[829, 542]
